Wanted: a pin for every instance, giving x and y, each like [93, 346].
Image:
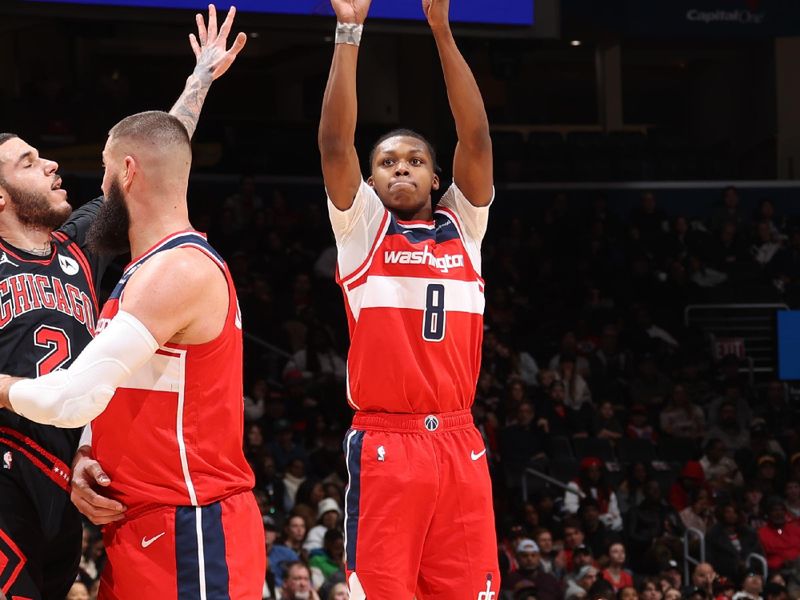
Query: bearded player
[48, 313]
[414, 299]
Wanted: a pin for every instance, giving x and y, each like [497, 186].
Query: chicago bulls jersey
[48, 312]
[172, 433]
[414, 299]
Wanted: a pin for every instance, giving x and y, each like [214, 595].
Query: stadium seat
[600, 448]
[631, 450]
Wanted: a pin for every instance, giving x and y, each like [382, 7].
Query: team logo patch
[431, 423]
[8, 460]
[4, 260]
[68, 265]
[381, 454]
[487, 594]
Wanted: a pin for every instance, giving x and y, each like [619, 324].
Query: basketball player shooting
[414, 299]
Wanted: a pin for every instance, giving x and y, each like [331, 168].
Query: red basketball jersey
[172, 434]
[414, 299]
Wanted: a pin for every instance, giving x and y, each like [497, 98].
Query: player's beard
[34, 210]
[108, 233]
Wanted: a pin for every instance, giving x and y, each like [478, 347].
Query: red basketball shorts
[418, 509]
[216, 552]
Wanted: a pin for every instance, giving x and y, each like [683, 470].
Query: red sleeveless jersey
[172, 434]
[414, 299]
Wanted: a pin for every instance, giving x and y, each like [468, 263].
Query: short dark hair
[287, 567]
[402, 132]
[332, 535]
[156, 126]
[4, 137]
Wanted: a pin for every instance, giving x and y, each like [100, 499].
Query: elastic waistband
[400, 422]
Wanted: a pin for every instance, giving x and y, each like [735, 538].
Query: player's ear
[129, 173]
[370, 181]
[436, 183]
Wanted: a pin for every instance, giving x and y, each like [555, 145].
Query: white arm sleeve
[73, 397]
[86, 436]
[356, 228]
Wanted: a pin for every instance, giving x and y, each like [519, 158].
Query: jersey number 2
[60, 351]
[434, 319]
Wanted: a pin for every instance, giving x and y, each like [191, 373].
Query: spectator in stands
[297, 583]
[728, 253]
[294, 477]
[556, 418]
[578, 586]
[651, 387]
[576, 390]
[652, 530]
[720, 471]
[285, 449]
[523, 442]
[638, 426]
[592, 482]
[569, 348]
[792, 500]
[752, 587]
[733, 434]
[278, 555]
[691, 478]
[672, 594]
[733, 392]
[573, 538]
[605, 424]
[255, 402]
[775, 410]
[779, 538]
[631, 491]
[294, 533]
[649, 590]
[730, 541]
[765, 245]
[318, 361]
[330, 561]
[767, 477]
[610, 365]
[698, 514]
[529, 561]
[628, 593]
[329, 516]
[616, 573]
[729, 211]
[596, 535]
[681, 418]
[775, 591]
[78, 591]
[703, 578]
[752, 506]
[339, 592]
[552, 560]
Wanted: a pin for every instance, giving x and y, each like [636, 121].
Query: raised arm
[209, 47]
[337, 125]
[472, 164]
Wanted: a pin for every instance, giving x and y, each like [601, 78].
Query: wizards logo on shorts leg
[12, 560]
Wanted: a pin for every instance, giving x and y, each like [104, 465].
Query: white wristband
[349, 33]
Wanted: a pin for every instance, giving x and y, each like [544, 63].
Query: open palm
[210, 44]
[436, 11]
[351, 11]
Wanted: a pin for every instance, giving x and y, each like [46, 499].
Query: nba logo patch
[8, 458]
[381, 454]
[68, 265]
[431, 423]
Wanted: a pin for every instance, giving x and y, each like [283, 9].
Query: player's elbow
[82, 410]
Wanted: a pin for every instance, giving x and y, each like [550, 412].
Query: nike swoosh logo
[146, 542]
[476, 456]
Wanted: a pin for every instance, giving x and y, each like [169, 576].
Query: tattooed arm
[213, 60]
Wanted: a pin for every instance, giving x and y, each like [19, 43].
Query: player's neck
[151, 226]
[30, 240]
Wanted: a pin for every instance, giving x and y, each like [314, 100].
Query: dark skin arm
[337, 124]
[472, 164]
